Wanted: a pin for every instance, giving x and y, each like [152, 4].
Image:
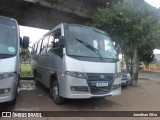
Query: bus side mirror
[25, 43]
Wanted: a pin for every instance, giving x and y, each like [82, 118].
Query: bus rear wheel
[54, 92]
[37, 83]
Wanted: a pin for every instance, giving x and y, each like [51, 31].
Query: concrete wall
[35, 15]
[48, 13]
[84, 8]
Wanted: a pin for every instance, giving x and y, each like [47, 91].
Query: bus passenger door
[55, 54]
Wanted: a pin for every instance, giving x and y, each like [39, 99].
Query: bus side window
[39, 47]
[50, 44]
[53, 39]
[32, 52]
[44, 45]
[56, 39]
[35, 48]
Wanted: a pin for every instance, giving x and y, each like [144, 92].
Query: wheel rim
[55, 90]
[18, 90]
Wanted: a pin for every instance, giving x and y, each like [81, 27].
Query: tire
[37, 83]
[124, 86]
[54, 92]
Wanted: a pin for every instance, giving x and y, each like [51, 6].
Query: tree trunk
[131, 65]
[126, 59]
[135, 66]
[122, 65]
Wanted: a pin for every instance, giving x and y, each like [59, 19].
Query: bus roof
[7, 18]
[63, 24]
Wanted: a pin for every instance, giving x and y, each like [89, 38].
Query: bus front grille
[93, 78]
[98, 76]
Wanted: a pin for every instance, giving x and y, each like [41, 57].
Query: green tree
[132, 24]
[25, 53]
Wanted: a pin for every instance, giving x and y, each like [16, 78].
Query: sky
[33, 33]
[155, 3]
[36, 33]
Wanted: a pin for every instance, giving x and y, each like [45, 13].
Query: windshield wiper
[5, 54]
[90, 47]
[2, 56]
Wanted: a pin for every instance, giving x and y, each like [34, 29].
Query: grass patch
[25, 70]
[153, 65]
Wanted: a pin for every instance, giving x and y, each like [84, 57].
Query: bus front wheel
[54, 92]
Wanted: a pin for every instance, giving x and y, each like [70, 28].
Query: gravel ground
[144, 97]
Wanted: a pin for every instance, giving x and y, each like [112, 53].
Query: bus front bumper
[8, 89]
[89, 95]
[68, 92]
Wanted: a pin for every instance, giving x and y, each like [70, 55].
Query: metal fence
[151, 68]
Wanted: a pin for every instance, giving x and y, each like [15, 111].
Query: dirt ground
[145, 97]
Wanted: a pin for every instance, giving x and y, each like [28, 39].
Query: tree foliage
[25, 54]
[132, 24]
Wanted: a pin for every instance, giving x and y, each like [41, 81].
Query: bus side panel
[44, 69]
[55, 65]
[41, 64]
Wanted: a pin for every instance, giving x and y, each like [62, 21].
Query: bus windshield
[8, 38]
[89, 42]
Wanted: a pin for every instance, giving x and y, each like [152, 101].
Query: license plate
[123, 81]
[102, 84]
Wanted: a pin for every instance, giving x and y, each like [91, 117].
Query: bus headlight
[75, 74]
[117, 75]
[6, 75]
